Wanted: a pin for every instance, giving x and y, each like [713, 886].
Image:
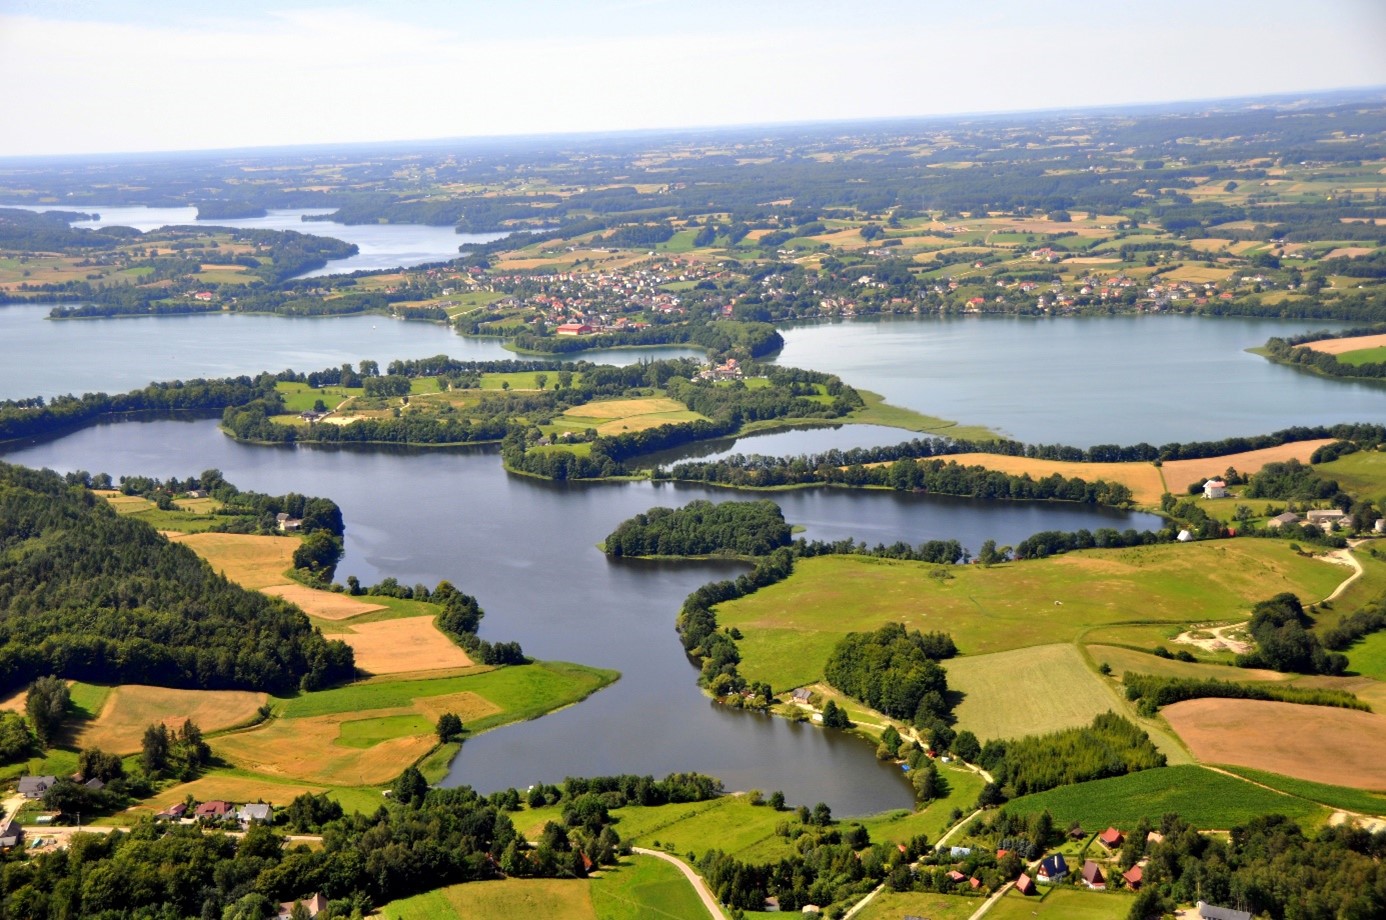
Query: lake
[382, 245]
[527, 550]
[1086, 380]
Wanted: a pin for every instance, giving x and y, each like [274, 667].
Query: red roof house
[1134, 877]
[1110, 838]
[1025, 884]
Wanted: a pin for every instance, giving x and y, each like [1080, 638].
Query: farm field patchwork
[1059, 691]
[1339, 747]
[1180, 473]
[401, 646]
[790, 628]
[129, 709]
[1205, 798]
[325, 605]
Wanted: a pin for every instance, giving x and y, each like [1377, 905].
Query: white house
[1215, 488]
[1185, 536]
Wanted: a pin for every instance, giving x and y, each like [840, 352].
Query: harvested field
[1341, 346]
[1143, 479]
[250, 561]
[309, 749]
[326, 605]
[1198, 274]
[625, 408]
[1341, 747]
[1350, 252]
[1061, 691]
[131, 708]
[1180, 473]
[400, 646]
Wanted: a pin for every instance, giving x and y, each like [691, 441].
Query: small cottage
[1134, 876]
[1215, 488]
[1111, 838]
[1025, 884]
[1052, 869]
[1093, 877]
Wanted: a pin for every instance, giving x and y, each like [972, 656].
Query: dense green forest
[702, 528]
[896, 672]
[1110, 746]
[1281, 627]
[88, 595]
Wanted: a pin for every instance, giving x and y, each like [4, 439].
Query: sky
[105, 76]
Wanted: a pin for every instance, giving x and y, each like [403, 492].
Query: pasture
[1339, 747]
[1060, 691]
[1333, 796]
[643, 887]
[892, 905]
[1368, 656]
[1207, 799]
[534, 899]
[614, 416]
[790, 628]
[119, 723]
[1063, 902]
[1362, 475]
[1363, 356]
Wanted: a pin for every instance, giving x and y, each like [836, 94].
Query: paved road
[694, 879]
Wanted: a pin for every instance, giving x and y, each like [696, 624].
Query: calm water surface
[527, 550]
[381, 245]
[1088, 380]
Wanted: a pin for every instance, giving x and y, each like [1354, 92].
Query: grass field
[1368, 656]
[1143, 479]
[892, 905]
[1061, 691]
[534, 899]
[1206, 799]
[1362, 475]
[728, 823]
[933, 821]
[613, 416]
[250, 561]
[1363, 356]
[1334, 796]
[187, 516]
[300, 397]
[878, 412]
[1063, 903]
[1340, 747]
[644, 888]
[1122, 660]
[791, 627]
[119, 722]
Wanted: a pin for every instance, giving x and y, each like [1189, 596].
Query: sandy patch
[327, 605]
[399, 646]
[1179, 474]
[1342, 747]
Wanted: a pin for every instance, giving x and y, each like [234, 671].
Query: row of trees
[1154, 692]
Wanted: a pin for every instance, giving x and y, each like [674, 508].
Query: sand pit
[1342, 747]
[326, 605]
[400, 646]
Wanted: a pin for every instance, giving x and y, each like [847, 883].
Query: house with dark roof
[213, 811]
[1206, 911]
[10, 832]
[1093, 877]
[33, 787]
[1052, 869]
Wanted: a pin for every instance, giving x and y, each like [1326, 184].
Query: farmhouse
[33, 787]
[214, 811]
[1093, 877]
[1208, 912]
[1280, 520]
[1215, 488]
[173, 812]
[287, 523]
[1052, 869]
[256, 811]
[1330, 519]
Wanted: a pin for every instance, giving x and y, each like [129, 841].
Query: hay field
[1342, 346]
[131, 708]
[892, 905]
[1198, 274]
[310, 750]
[1341, 747]
[1142, 478]
[1179, 473]
[790, 628]
[1061, 691]
[400, 646]
[614, 416]
[250, 561]
[326, 605]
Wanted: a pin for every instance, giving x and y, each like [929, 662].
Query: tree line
[1110, 746]
[1154, 693]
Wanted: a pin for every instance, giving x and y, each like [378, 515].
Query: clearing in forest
[131, 708]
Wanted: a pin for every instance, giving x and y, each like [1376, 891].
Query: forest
[895, 672]
[88, 595]
[1110, 746]
[702, 528]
